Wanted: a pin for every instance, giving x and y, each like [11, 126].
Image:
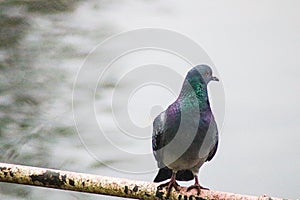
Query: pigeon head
[201, 74]
[195, 84]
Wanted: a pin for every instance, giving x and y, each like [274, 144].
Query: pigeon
[185, 135]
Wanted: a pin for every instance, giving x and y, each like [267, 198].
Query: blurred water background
[255, 46]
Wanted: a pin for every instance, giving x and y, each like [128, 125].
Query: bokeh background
[253, 44]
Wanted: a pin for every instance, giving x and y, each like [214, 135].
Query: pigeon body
[185, 135]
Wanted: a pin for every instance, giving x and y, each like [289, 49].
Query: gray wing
[165, 127]
[213, 151]
[158, 137]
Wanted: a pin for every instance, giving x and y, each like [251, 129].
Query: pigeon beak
[214, 78]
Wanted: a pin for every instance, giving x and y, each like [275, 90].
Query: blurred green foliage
[25, 87]
[43, 6]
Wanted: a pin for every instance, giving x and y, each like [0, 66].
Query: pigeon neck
[194, 95]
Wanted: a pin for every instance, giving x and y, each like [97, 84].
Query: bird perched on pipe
[185, 135]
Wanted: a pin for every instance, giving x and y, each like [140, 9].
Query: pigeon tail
[166, 173]
[163, 174]
[184, 175]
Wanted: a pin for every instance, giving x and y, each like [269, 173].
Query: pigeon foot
[197, 187]
[171, 184]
